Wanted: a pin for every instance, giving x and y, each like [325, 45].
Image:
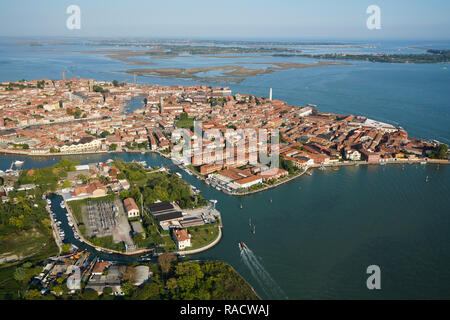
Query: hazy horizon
[287, 20]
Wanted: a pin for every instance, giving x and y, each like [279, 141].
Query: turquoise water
[320, 233]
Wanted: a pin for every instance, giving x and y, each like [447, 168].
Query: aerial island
[130, 209]
[64, 229]
[77, 116]
[431, 56]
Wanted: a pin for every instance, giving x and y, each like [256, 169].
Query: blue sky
[243, 19]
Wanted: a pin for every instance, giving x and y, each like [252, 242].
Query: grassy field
[108, 242]
[33, 246]
[203, 235]
[185, 123]
[26, 244]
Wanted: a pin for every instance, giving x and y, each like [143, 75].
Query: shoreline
[330, 165]
[202, 178]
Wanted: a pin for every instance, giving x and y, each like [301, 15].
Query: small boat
[427, 179]
[18, 164]
[254, 230]
[145, 259]
[241, 206]
[242, 245]
[270, 200]
[49, 201]
[62, 204]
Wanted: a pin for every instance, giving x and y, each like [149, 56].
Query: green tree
[150, 291]
[20, 274]
[440, 152]
[90, 294]
[184, 116]
[33, 294]
[66, 184]
[127, 288]
[65, 248]
[107, 294]
[165, 261]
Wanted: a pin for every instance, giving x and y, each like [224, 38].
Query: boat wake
[265, 281]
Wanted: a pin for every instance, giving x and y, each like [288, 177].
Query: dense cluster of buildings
[81, 115]
[94, 180]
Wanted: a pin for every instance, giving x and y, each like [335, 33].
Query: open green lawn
[108, 243]
[203, 235]
[185, 123]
